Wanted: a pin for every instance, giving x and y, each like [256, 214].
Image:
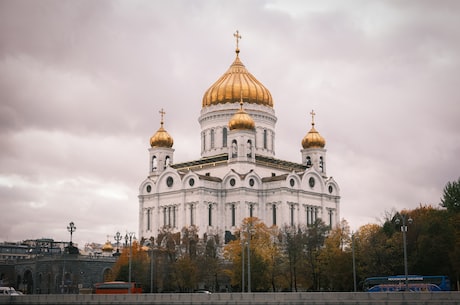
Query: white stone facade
[233, 181]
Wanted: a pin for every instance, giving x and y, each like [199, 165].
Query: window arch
[265, 139]
[308, 161]
[154, 163]
[204, 141]
[210, 215]
[167, 161]
[212, 138]
[224, 137]
[249, 149]
[234, 149]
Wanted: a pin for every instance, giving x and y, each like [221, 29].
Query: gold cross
[238, 37]
[312, 117]
[162, 114]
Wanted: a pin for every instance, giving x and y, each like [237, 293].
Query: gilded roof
[237, 83]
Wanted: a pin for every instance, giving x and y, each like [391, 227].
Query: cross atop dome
[162, 113]
[238, 37]
[312, 117]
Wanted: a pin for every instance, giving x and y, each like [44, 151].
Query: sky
[82, 84]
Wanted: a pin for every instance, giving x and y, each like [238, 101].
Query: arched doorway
[28, 282]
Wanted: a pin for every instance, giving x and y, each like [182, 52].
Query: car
[8, 291]
[203, 291]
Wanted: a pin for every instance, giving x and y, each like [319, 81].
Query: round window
[169, 181]
[191, 182]
[311, 181]
[148, 188]
[330, 189]
[292, 182]
[232, 182]
[251, 182]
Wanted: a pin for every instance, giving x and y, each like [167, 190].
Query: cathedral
[237, 175]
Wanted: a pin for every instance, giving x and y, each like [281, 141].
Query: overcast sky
[81, 84]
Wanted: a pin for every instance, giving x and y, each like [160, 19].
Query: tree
[451, 197]
[294, 240]
[314, 241]
[336, 259]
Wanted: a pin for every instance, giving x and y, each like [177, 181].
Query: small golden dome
[241, 120]
[313, 139]
[161, 138]
[107, 247]
[235, 82]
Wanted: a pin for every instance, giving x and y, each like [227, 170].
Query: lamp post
[242, 265]
[151, 246]
[354, 262]
[117, 238]
[249, 263]
[71, 228]
[250, 230]
[129, 237]
[398, 220]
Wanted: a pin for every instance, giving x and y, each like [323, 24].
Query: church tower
[161, 151]
[313, 152]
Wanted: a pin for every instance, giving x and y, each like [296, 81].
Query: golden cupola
[237, 82]
[161, 138]
[313, 139]
[107, 247]
[241, 120]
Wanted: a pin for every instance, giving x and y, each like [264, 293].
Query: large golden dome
[241, 120]
[313, 139]
[161, 138]
[237, 82]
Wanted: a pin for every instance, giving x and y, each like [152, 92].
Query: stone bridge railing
[317, 298]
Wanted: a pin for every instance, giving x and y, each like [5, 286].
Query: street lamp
[354, 262]
[404, 230]
[129, 237]
[71, 228]
[242, 265]
[250, 231]
[117, 238]
[151, 246]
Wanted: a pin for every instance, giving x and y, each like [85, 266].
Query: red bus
[117, 288]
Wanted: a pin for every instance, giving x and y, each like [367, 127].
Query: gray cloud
[81, 84]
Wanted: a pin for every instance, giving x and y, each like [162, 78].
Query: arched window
[167, 161]
[192, 220]
[274, 214]
[234, 149]
[308, 162]
[233, 215]
[249, 149]
[212, 138]
[251, 210]
[154, 163]
[224, 137]
[330, 218]
[265, 139]
[149, 213]
[210, 215]
[204, 141]
[174, 216]
[321, 164]
[292, 215]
